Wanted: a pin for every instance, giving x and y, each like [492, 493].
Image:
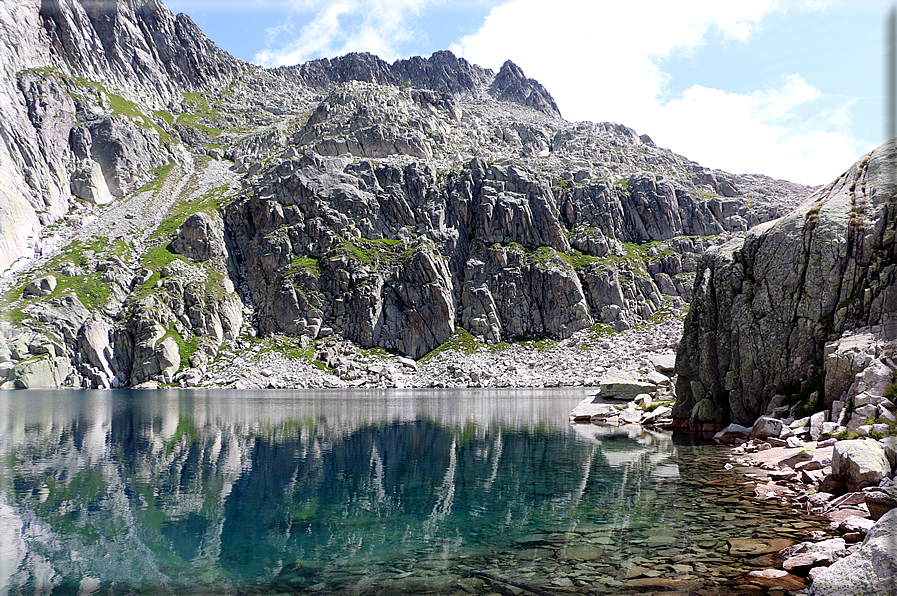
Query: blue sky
[787, 88]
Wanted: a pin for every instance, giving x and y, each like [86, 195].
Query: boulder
[774, 578]
[766, 426]
[167, 354]
[880, 499]
[800, 558]
[623, 386]
[88, 183]
[875, 378]
[592, 406]
[872, 569]
[857, 524]
[816, 422]
[731, 433]
[752, 547]
[93, 342]
[41, 287]
[889, 444]
[859, 463]
[200, 238]
[41, 372]
[663, 363]
[657, 414]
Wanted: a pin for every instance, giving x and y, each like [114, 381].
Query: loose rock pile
[850, 482]
[579, 361]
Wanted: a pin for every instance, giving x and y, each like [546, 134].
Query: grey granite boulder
[201, 237]
[731, 433]
[859, 463]
[800, 558]
[765, 427]
[624, 386]
[880, 499]
[41, 287]
[870, 571]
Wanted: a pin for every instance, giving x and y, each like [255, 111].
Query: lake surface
[361, 492]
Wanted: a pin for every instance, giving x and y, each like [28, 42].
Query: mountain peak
[511, 84]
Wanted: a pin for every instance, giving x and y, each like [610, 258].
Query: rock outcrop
[63, 133]
[767, 305]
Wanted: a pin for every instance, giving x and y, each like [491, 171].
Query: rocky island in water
[171, 216]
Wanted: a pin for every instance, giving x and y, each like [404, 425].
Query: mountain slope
[183, 201]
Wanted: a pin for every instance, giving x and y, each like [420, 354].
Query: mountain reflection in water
[328, 492]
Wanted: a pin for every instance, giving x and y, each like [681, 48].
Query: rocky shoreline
[799, 463]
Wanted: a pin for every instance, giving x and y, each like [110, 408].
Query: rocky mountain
[164, 205]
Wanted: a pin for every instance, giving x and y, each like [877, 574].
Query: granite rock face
[765, 305]
[63, 133]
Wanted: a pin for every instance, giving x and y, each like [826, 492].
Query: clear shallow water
[360, 492]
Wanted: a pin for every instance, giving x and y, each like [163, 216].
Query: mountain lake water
[363, 492]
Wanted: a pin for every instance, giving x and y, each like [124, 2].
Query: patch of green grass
[847, 436]
[288, 347]
[377, 352]
[200, 110]
[657, 404]
[707, 195]
[186, 347]
[533, 341]
[209, 202]
[378, 252]
[190, 120]
[127, 108]
[159, 176]
[199, 102]
[307, 264]
[44, 71]
[889, 432]
[662, 314]
[580, 260]
[623, 183]
[596, 333]
[460, 341]
[166, 116]
[563, 184]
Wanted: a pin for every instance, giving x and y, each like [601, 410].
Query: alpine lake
[366, 492]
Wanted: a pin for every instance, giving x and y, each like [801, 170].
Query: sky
[788, 88]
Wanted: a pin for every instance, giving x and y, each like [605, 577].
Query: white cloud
[343, 26]
[601, 61]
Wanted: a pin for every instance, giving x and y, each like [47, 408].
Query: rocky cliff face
[166, 193]
[64, 135]
[773, 309]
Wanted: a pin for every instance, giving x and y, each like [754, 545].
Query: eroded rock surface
[765, 305]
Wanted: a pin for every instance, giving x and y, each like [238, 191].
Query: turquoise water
[359, 492]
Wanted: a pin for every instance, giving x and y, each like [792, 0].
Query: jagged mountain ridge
[390, 204]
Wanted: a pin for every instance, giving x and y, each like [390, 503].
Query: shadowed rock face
[765, 305]
[320, 247]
